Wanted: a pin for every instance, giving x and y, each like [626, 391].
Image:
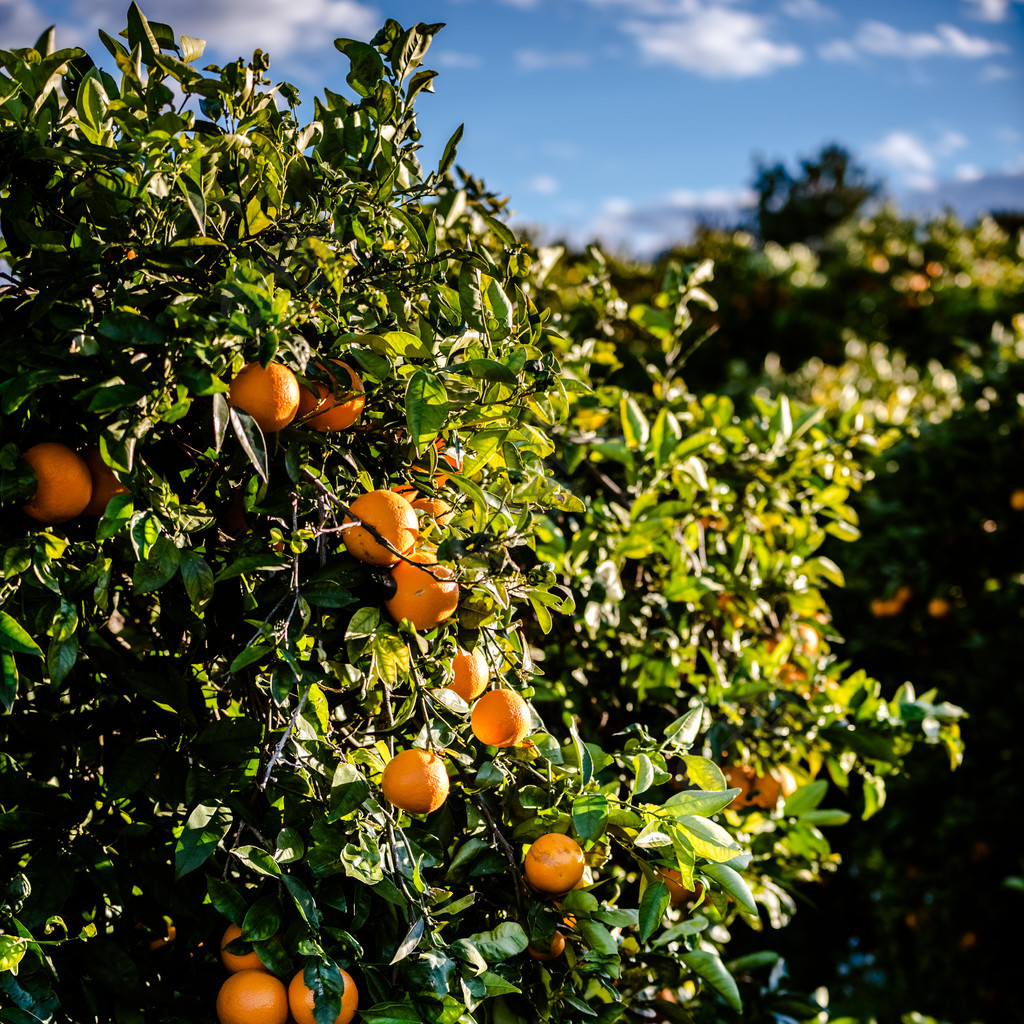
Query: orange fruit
[333, 413]
[426, 597]
[1017, 501]
[939, 607]
[758, 790]
[471, 674]
[438, 509]
[554, 864]
[500, 718]
[105, 483]
[252, 997]
[300, 999]
[415, 781]
[391, 516]
[809, 640]
[677, 892]
[555, 949]
[170, 934]
[237, 961]
[64, 486]
[270, 395]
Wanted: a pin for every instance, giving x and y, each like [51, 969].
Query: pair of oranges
[416, 780]
[252, 995]
[273, 397]
[68, 485]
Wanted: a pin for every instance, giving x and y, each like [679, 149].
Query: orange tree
[233, 673]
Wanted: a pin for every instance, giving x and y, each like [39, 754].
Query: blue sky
[621, 117]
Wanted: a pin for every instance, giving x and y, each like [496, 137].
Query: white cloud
[883, 40]
[22, 23]
[280, 27]
[810, 10]
[949, 142]
[543, 184]
[455, 61]
[968, 172]
[994, 73]
[714, 41]
[838, 49]
[989, 10]
[648, 228]
[541, 60]
[908, 156]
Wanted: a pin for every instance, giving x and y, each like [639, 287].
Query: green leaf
[227, 899]
[700, 802]
[597, 937]
[707, 839]
[503, 942]
[653, 904]
[157, 568]
[709, 967]
[805, 798]
[411, 941]
[14, 638]
[634, 424]
[12, 949]
[303, 900]
[8, 680]
[257, 859]
[206, 827]
[136, 766]
[450, 149]
[426, 408]
[367, 67]
[348, 790]
[262, 920]
[250, 437]
[198, 578]
[733, 883]
[703, 772]
[590, 816]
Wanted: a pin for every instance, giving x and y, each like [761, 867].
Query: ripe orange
[757, 790]
[809, 640]
[237, 961]
[300, 999]
[270, 395]
[679, 893]
[500, 718]
[554, 864]
[438, 509]
[471, 674]
[333, 413]
[415, 781]
[1017, 500]
[554, 950]
[105, 483]
[64, 486]
[391, 516]
[426, 597]
[252, 997]
[939, 607]
[170, 934]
